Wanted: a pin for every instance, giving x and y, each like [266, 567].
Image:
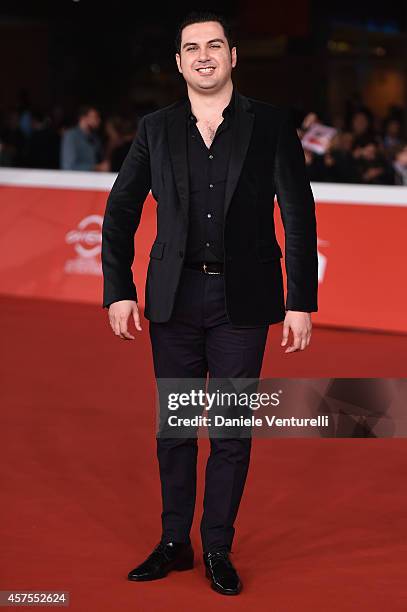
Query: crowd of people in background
[365, 149]
[34, 139]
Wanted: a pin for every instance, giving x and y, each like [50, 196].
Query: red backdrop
[51, 239]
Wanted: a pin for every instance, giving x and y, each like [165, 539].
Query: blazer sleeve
[297, 206]
[121, 220]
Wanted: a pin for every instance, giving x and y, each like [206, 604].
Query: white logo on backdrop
[87, 242]
[322, 260]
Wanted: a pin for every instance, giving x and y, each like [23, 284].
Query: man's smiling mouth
[205, 69]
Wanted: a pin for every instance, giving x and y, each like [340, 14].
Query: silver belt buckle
[204, 269]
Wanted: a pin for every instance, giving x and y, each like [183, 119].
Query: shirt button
[207, 244]
[210, 185]
[210, 156]
[209, 215]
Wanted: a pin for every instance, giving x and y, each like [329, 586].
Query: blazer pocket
[268, 251]
[157, 250]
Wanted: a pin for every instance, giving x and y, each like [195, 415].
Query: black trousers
[199, 340]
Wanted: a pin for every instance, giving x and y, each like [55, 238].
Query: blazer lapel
[242, 131]
[177, 143]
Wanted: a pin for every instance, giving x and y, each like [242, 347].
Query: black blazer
[267, 159]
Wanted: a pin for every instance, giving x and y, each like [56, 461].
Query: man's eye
[216, 46]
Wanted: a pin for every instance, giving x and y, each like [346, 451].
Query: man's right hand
[119, 314]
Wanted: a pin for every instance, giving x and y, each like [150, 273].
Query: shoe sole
[182, 567]
[219, 589]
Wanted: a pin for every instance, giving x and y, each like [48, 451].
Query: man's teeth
[209, 69]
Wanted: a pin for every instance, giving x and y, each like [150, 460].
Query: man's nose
[203, 55]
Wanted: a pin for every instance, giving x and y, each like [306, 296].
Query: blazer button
[181, 253]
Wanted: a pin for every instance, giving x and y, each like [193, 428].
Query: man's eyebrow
[209, 41]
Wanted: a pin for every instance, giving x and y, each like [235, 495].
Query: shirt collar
[228, 110]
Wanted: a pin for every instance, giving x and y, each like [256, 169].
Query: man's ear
[233, 54]
[178, 60]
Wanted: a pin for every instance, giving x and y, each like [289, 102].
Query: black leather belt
[205, 267]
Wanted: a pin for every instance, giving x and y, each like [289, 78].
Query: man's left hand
[301, 326]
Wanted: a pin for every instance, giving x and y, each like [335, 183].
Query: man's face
[360, 123]
[393, 128]
[93, 119]
[205, 60]
[369, 151]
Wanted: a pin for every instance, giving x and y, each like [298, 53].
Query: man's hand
[103, 166]
[301, 326]
[119, 313]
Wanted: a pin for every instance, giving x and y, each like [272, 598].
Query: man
[214, 162]
[81, 148]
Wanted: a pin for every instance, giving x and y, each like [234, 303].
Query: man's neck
[210, 104]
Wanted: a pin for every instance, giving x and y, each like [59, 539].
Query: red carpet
[322, 525]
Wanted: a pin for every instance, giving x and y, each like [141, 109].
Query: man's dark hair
[84, 109]
[203, 17]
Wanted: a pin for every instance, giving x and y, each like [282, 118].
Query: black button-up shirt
[207, 180]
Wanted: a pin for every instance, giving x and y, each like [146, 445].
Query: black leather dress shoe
[220, 570]
[164, 558]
